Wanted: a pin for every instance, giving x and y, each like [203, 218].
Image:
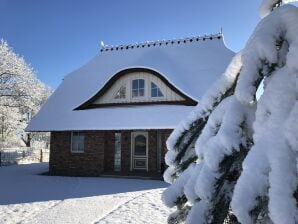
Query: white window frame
[71, 141]
[138, 89]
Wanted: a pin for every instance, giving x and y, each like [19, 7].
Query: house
[113, 115]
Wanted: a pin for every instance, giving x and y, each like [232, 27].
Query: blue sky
[58, 36]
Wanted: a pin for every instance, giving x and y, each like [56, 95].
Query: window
[121, 93]
[117, 153]
[77, 142]
[140, 145]
[139, 149]
[155, 90]
[138, 88]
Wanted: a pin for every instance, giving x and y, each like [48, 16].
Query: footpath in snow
[27, 197]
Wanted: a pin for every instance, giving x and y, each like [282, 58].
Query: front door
[139, 150]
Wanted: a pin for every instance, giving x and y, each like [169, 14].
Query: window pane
[135, 93]
[141, 92]
[80, 146]
[141, 83]
[138, 87]
[135, 84]
[153, 85]
[121, 94]
[77, 142]
[159, 93]
[155, 90]
[140, 163]
[117, 155]
[140, 145]
[74, 145]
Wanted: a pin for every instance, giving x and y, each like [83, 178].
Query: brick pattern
[152, 152]
[98, 157]
[64, 162]
[125, 151]
[164, 136]
[109, 149]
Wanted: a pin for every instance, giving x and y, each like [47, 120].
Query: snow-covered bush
[234, 159]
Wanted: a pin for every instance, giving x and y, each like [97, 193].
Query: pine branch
[296, 196]
[190, 135]
[179, 216]
[231, 218]
[260, 212]
[182, 166]
[231, 168]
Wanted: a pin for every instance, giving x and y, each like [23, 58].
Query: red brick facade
[98, 156]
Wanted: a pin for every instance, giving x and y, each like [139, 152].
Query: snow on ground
[27, 197]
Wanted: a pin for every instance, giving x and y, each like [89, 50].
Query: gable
[137, 86]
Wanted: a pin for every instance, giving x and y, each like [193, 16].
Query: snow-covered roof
[190, 64]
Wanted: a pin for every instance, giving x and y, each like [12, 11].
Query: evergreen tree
[235, 156]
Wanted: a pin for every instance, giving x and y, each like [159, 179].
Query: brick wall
[125, 151]
[64, 162]
[98, 157]
[164, 136]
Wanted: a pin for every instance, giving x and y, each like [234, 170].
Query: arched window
[140, 145]
[138, 88]
[155, 90]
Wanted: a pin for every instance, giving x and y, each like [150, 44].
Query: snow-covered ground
[27, 197]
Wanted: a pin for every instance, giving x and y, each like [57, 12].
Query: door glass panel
[140, 163]
[140, 145]
[117, 153]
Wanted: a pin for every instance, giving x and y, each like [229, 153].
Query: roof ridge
[159, 42]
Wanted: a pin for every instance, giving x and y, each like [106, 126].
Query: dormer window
[155, 90]
[138, 88]
[121, 93]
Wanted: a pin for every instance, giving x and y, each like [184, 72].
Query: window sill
[76, 152]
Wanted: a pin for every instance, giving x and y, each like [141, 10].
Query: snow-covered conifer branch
[247, 154]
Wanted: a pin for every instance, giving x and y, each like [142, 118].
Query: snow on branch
[268, 6]
[262, 56]
[180, 140]
[21, 93]
[245, 164]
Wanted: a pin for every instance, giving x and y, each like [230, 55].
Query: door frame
[132, 156]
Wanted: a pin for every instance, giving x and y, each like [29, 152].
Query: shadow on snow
[23, 184]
